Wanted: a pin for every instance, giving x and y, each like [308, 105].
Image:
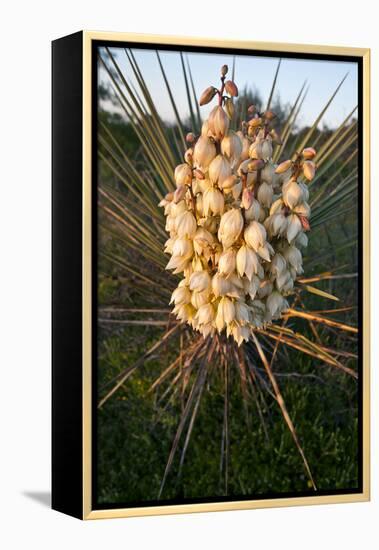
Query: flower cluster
[236, 221]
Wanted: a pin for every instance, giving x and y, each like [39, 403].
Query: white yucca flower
[213, 201]
[231, 225]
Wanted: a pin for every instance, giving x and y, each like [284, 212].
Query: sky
[254, 72]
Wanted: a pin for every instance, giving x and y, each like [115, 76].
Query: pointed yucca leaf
[197, 384]
[192, 116]
[137, 176]
[301, 343]
[133, 235]
[158, 311]
[317, 319]
[148, 147]
[305, 141]
[349, 135]
[290, 122]
[175, 109]
[327, 276]
[319, 292]
[123, 172]
[194, 94]
[121, 378]
[329, 142]
[330, 181]
[160, 129]
[143, 128]
[128, 242]
[326, 256]
[283, 408]
[153, 130]
[132, 322]
[130, 213]
[270, 97]
[158, 287]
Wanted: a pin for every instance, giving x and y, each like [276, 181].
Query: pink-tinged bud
[170, 196]
[251, 109]
[309, 169]
[198, 174]
[305, 223]
[283, 167]
[180, 193]
[224, 70]
[309, 153]
[231, 88]
[190, 137]
[247, 198]
[207, 95]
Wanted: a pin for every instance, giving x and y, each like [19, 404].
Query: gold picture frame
[85, 510]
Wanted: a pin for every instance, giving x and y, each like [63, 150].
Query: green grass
[135, 435]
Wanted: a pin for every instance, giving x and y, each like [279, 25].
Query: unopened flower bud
[251, 109]
[227, 262]
[309, 169]
[269, 115]
[185, 225]
[218, 122]
[231, 88]
[224, 70]
[229, 182]
[292, 193]
[207, 95]
[231, 146]
[265, 194]
[183, 174]
[190, 137]
[229, 108]
[198, 174]
[231, 225]
[204, 152]
[283, 167]
[188, 156]
[219, 170]
[309, 153]
[256, 164]
[275, 137]
[200, 280]
[247, 198]
[255, 235]
[254, 122]
[180, 193]
[213, 201]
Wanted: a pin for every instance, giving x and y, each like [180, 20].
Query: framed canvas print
[210, 275]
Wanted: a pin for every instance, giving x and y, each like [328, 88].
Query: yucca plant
[239, 196]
